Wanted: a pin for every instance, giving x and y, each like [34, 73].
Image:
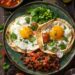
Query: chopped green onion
[13, 36]
[52, 43]
[62, 46]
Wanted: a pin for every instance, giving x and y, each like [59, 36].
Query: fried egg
[21, 36]
[60, 38]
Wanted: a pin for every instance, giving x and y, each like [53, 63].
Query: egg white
[67, 34]
[15, 27]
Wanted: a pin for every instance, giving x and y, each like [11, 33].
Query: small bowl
[12, 7]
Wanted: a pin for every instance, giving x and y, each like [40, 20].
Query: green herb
[45, 46]
[62, 46]
[32, 39]
[64, 27]
[13, 36]
[1, 28]
[65, 38]
[32, 44]
[52, 43]
[26, 42]
[41, 14]
[35, 19]
[6, 66]
[29, 11]
[42, 21]
[20, 39]
[27, 19]
[34, 27]
[54, 49]
[18, 23]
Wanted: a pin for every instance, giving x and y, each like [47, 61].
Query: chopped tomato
[45, 37]
[33, 58]
[34, 32]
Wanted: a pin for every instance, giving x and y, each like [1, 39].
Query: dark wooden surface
[4, 13]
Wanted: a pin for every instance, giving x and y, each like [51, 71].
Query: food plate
[15, 57]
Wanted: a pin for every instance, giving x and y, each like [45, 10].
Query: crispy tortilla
[49, 25]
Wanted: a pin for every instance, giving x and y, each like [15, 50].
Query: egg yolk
[56, 32]
[26, 32]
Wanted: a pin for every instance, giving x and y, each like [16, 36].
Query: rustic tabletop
[8, 68]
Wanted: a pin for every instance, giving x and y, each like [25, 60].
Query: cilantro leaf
[62, 46]
[13, 36]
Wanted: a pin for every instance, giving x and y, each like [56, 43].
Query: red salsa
[9, 3]
[40, 61]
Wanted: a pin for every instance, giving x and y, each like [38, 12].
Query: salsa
[9, 3]
[40, 61]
